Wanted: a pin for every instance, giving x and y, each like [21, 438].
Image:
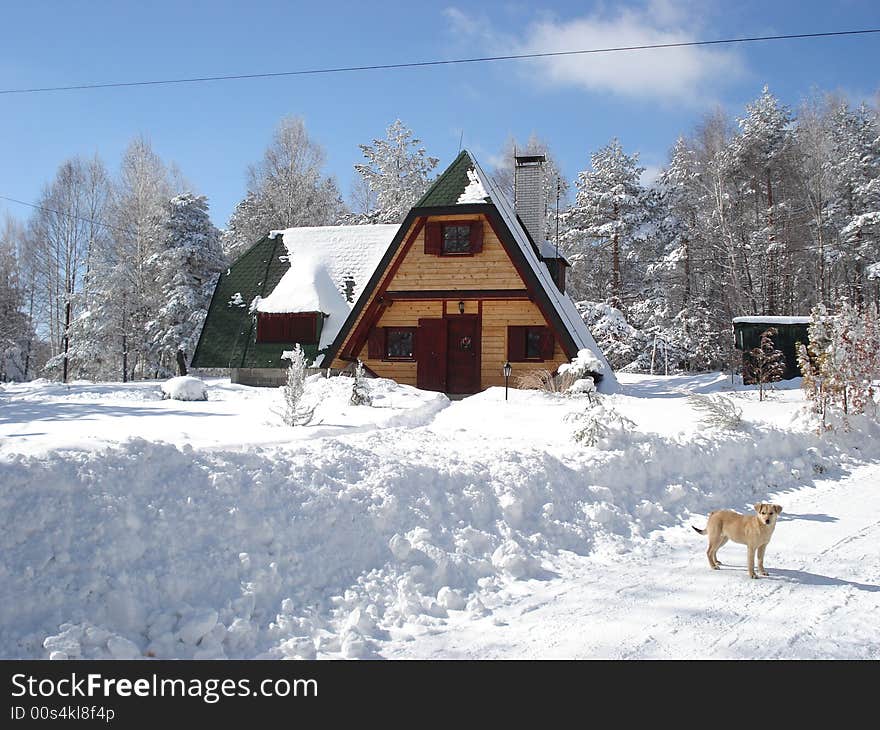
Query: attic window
[454, 238]
[288, 327]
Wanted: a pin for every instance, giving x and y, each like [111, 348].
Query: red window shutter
[433, 236]
[547, 343]
[376, 343]
[476, 236]
[516, 344]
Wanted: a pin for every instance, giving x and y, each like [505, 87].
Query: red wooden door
[463, 361]
[431, 355]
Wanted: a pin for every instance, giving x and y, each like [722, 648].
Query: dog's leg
[752, 562]
[720, 545]
[761, 550]
[710, 553]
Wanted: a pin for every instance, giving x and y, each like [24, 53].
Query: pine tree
[766, 364]
[609, 208]
[397, 171]
[759, 156]
[185, 265]
[247, 225]
[126, 303]
[295, 412]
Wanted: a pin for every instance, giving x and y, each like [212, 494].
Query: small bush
[717, 411]
[295, 412]
[360, 396]
[599, 424]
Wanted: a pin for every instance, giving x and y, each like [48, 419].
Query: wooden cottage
[464, 285]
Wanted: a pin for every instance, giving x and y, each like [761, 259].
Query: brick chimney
[529, 200]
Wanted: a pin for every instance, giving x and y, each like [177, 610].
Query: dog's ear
[758, 506]
[777, 508]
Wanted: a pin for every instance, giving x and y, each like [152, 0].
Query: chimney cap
[529, 159]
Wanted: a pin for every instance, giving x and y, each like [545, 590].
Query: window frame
[545, 336]
[387, 356]
[456, 224]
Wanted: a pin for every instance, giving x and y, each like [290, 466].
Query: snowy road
[821, 599]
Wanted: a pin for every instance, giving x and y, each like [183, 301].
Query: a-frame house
[464, 287]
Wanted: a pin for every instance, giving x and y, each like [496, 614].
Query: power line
[446, 62]
[93, 221]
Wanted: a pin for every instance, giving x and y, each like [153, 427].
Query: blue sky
[214, 130]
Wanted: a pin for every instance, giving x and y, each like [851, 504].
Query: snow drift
[319, 549]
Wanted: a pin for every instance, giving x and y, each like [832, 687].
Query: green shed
[747, 333]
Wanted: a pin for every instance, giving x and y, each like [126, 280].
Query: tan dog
[753, 531]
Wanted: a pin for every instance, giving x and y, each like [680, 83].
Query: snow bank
[185, 388]
[323, 547]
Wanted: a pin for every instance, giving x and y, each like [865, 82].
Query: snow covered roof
[548, 251]
[322, 259]
[771, 320]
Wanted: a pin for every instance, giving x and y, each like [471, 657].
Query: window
[288, 328]
[400, 343]
[532, 343]
[392, 343]
[456, 239]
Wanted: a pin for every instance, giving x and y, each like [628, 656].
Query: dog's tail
[697, 529]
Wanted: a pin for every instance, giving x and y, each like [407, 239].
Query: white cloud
[673, 74]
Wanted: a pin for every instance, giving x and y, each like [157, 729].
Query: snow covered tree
[247, 225]
[765, 363]
[186, 263]
[126, 304]
[759, 155]
[66, 231]
[295, 412]
[609, 208]
[681, 204]
[844, 355]
[286, 188]
[618, 339]
[856, 208]
[360, 396]
[397, 171]
[16, 327]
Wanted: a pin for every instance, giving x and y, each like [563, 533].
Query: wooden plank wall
[491, 269]
[497, 317]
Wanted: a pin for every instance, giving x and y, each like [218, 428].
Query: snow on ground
[419, 528]
[42, 416]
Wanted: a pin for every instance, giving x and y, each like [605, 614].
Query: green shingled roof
[229, 333]
[447, 188]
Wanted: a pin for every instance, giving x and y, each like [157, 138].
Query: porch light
[506, 370]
